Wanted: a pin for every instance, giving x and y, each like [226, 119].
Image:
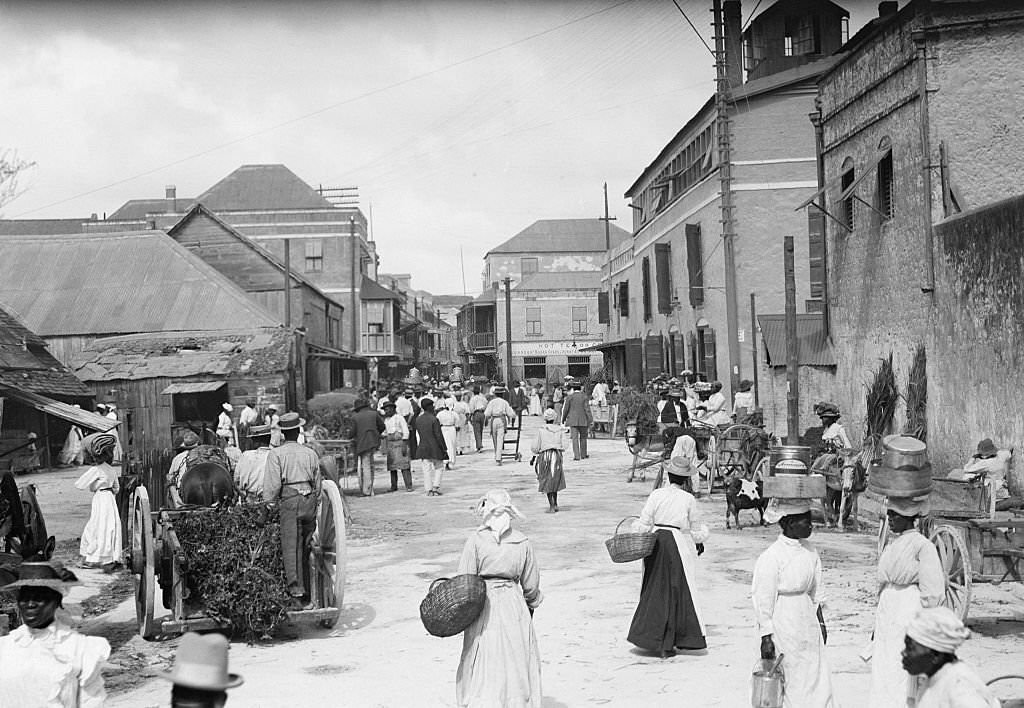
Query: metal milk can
[767, 684]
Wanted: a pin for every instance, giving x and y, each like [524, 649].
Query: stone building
[666, 286]
[921, 121]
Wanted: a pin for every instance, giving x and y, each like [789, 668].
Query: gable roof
[262, 187]
[561, 236]
[26, 365]
[41, 227]
[200, 209]
[562, 280]
[119, 283]
[138, 209]
[372, 290]
[815, 349]
[253, 352]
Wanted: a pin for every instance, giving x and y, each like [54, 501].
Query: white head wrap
[227, 407]
[496, 512]
[549, 415]
[938, 628]
[778, 508]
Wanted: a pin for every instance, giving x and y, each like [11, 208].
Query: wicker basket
[452, 604]
[626, 547]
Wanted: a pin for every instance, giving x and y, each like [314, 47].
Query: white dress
[786, 587]
[53, 667]
[909, 577]
[101, 537]
[535, 407]
[956, 686]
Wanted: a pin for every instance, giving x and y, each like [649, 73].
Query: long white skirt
[101, 538]
[688, 555]
[500, 665]
[798, 636]
[897, 605]
[448, 432]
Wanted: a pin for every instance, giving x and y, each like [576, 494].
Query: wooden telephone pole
[608, 249]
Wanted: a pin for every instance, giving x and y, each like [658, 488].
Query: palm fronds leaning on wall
[881, 402]
[916, 396]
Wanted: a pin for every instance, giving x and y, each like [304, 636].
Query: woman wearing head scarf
[500, 665]
[787, 603]
[44, 663]
[101, 538]
[932, 639]
[668, 616]
[547, 449]
[910, 577]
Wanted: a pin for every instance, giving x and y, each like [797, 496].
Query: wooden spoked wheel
[328, 555]
[956, 564]
[143, 563]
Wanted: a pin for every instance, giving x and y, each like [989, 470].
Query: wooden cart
[155, 557]
[975, 543]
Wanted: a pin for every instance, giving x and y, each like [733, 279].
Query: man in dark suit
[576, 414]
[520, 399]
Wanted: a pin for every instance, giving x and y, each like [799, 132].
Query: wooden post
[508, 335]
[792, 349]
[753, 346]
[287, 284]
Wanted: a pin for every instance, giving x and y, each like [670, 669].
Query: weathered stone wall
[817, 383]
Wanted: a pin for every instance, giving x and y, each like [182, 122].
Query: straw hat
[780, 507]
[202, 663]
[680, 466]
[44, 575]
[256, 431]
[290, 421]
[189, 440]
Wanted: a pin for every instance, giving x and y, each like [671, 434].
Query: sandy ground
[380, 655]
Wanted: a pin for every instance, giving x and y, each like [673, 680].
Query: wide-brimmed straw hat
[256, 431]
[189, 440]
[43, 575]
[680, 466]
[290, 421]
[202, 663]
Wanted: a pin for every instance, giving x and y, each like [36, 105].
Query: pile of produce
[233, 567]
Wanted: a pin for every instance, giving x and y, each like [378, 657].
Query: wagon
[975, 543]
[155, 557]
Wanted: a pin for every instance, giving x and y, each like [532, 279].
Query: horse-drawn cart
[975, 543]
[156, 557]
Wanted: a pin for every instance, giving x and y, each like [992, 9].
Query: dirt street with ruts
[380, 654]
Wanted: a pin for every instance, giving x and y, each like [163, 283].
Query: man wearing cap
[44, 662]
[497, 416]
[293, 477]
[910, 577]
[431, 449]
[200, 675]
[368, 427]
[189, 442]
[225, 428]
[786, 592]
[929, 652]
[477, 405]
[250, 472]
[577, 416]
[396, 446]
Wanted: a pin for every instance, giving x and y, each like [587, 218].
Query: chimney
[171, 195]
[733, 21]
[151, 224]
[887, 8]
[93, 217]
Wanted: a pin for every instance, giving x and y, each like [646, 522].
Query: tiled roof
[815, 349]
[119, 283]
[255, 352]
[26, 365]
[561, 236]
[41, 227]
[137, 209]
[564, 280]
[259, 187]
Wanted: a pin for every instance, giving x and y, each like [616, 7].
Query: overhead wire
[699, 35]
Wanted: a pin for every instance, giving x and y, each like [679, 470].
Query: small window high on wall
[884, 197]
[847, 178]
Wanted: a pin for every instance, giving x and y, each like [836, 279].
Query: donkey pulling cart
[156, 557]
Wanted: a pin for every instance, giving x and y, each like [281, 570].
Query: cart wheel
[143, 562]
[761, 470]
[328, 558]
[956, 564]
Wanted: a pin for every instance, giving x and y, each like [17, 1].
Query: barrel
[789, 459]
[795, 486]
[903, 483]
[902, 452]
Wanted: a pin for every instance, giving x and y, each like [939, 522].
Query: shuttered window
[816, 251]
[645, 287]
[602, 308]
[885, 186]
[707, 361]
[695, 264]
[624, 298]
[652, 356]
[663, 271]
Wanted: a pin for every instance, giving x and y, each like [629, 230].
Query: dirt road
[380, 655]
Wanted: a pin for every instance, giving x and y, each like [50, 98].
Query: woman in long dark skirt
[668, 616]
[547, 448]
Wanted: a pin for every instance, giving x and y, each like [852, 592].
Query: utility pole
[792, 348]
[287, 284]
[723, 99]
[508, 333]
[753, 345]
[608, 249]
[354, 317]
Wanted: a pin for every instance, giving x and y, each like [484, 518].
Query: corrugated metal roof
[138, 209]
[561, 236]
[41, 227]
[262, 187]
[565, 280]
[25, 363]
[254, 352]
[119, 283]
[194, 387]
[815, 349]
[65, 411]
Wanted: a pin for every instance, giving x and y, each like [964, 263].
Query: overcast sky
[461, 123]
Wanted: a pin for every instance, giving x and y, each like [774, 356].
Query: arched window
[884, 189]
[847, 178]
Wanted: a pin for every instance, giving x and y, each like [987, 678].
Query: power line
[319, 111]
[751, 16]
[701, 38]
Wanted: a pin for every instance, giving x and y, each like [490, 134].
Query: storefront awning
[604, 345]
[194, 387]
[59, 409]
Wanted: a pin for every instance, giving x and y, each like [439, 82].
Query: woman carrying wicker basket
[500, 665]
[668, 615]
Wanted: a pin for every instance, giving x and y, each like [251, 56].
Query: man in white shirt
[246, 419]
[477, 404]
[250, 471]
[497, 416]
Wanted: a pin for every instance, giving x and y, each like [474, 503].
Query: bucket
[904, 483]
[789, 459]
[766, 686]
[902, 452]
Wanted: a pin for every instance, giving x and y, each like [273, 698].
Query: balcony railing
[481, 340]
[373, 343]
